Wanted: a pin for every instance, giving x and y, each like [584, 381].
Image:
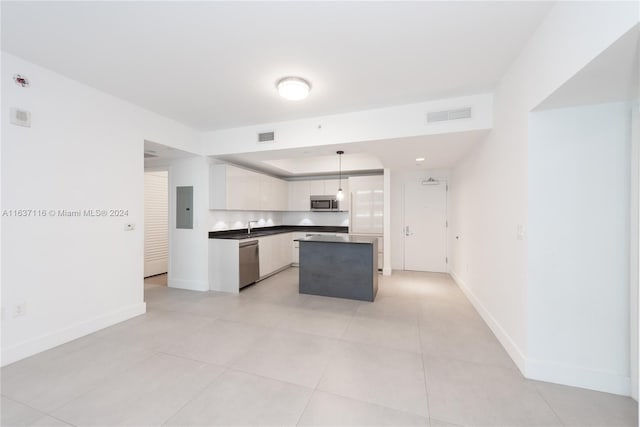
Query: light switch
[520, 232]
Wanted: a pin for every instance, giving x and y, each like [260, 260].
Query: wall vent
[264, 137]
[20, 117]
[443, 116]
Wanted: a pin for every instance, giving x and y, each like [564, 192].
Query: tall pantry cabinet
[366, 216]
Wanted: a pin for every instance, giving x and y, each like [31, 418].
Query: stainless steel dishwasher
[249, 263]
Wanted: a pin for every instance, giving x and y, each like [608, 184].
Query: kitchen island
[339, 266]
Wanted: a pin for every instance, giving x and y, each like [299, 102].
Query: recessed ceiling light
[293, 88]
[420, 159]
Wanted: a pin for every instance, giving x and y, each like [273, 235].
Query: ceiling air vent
[264, 137]
[20, 117]
[443, 116]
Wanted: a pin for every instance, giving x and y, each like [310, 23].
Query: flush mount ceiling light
[293, 88]
[420, 159]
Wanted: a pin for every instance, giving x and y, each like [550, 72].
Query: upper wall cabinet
[234, 188]
[299, 192]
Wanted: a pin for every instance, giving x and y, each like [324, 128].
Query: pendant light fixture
[340, 194]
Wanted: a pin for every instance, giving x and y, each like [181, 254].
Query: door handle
[407, 232]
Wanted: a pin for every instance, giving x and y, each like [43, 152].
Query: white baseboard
[191, 285]
[45, 342]
[503, 337]
[576, 376]
[552, 372]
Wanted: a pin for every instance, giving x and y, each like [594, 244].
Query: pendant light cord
[340, 172]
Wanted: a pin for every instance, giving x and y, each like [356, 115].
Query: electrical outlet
[20, 309]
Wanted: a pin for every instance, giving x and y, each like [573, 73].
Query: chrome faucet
[249, 226]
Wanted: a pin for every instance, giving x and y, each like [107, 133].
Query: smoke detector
[21, 80]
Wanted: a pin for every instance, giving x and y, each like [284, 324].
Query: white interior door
[425, 227]
[156, 222]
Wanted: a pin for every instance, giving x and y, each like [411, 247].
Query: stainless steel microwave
[324, 203]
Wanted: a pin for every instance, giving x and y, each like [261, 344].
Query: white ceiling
[159, 155]
[612, 76]
[440, 152]
[214, 65]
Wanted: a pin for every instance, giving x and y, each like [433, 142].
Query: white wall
[392, 122]
[230, 220]
[188, 260]
[338, 219]
[398, 180]
[634, 270]
[489, 187]
[578, 227]
[83, 151]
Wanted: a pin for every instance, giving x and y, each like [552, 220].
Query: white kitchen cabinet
[367, 204]
[275, 252]
[231, 187]
[299, 192]
[273, 194]
[280, 195]
[234, 188]
[265, 251]
[295, 247]
[316, 188]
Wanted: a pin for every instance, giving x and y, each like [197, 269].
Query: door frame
[634, 276]
[447, 243]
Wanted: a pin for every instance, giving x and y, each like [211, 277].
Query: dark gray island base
[342, 267]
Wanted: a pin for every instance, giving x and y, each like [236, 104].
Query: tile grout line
[60, 419]
[548, 404]
[195, 395]
[41, 412]
[424, 371]
[379, 405]
[104, 380]
[324, 369]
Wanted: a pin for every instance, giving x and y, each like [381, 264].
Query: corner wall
[189, 248]
[489, 187]
[84, 150]
[579, 228]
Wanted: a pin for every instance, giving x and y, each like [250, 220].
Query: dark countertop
[339, 239]
[241, 234]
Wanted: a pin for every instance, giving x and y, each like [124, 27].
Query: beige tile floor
[159, 279]
[418, 355]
